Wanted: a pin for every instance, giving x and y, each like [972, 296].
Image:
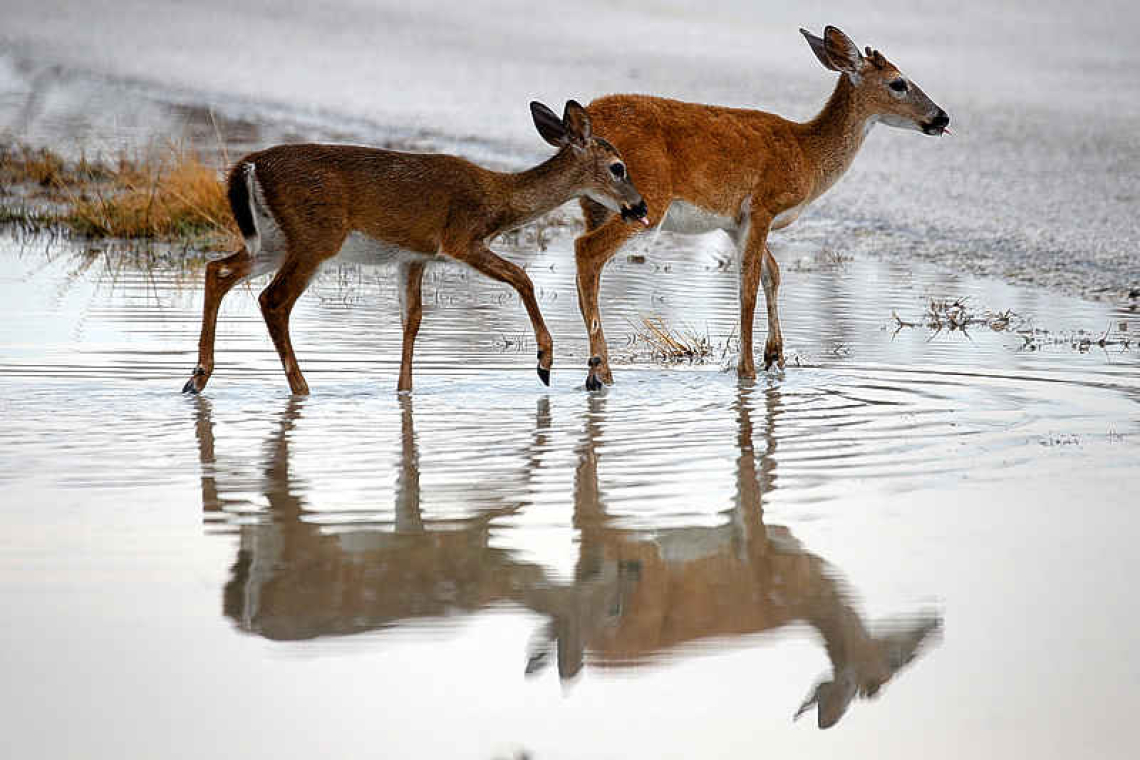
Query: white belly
[688, 219]
[361, 249]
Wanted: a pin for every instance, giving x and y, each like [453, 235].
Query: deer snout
[938, 125]
[636, 212]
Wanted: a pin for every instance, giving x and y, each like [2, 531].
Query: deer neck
[831, 140]
[533, 192]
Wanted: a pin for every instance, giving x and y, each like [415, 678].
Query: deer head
[601, 170]
[884, 92]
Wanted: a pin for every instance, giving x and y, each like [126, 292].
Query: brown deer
[297, 205]
[702, 167]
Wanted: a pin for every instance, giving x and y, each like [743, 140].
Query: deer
[703, 167]
[296, 206]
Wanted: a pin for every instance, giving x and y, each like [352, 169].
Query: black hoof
[537, 662]
[543, 375]
[190, 387]
[593, 382]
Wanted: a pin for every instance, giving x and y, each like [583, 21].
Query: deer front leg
[221, 276]
[411, 310]
[591, 252]
[770, 280]
[483, 259]
[749, 283]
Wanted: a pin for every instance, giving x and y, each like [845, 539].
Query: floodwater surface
[922, 540]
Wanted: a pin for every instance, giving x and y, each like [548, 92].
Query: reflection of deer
[293, 580]
[635, 594]
[691, 583]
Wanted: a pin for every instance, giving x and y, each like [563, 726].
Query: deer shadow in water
[636, 595]
[640, 594]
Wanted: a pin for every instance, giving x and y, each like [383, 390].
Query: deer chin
[935, 130]
[604, 200]
[902, 122]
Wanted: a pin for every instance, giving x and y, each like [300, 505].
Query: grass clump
[166, 194]
[670, 345]
[20, 164]
[170, 195]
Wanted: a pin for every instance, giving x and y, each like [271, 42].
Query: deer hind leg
[411, 310]
[591, 252]
[278, 298]
[770, 280]
[221, 276]
[486, 261]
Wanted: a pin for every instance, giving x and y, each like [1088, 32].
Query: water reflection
[671, 587]
[294, 579]
[637, 596]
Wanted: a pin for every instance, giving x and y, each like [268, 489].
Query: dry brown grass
[20, 164]
[670, 345]
[166, 193]
[170, 195]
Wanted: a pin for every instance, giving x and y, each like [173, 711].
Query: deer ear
[548, 124]
[842, 51]
[819, 47]
[577, 122]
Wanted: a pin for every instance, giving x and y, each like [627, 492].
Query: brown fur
[742, 164]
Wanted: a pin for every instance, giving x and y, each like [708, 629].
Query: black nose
[941, 120]
[634, 212]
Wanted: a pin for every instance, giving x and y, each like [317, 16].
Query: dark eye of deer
[898, 85]
[618, 170]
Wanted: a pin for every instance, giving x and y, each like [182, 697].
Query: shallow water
[489, 567]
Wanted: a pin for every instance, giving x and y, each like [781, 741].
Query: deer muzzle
[636, 213]
[939, 125]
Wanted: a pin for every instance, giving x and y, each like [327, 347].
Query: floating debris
[955, 315]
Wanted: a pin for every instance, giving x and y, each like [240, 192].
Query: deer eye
[618, 170]
[898, 85]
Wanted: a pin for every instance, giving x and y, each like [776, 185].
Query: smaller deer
[297, 205]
